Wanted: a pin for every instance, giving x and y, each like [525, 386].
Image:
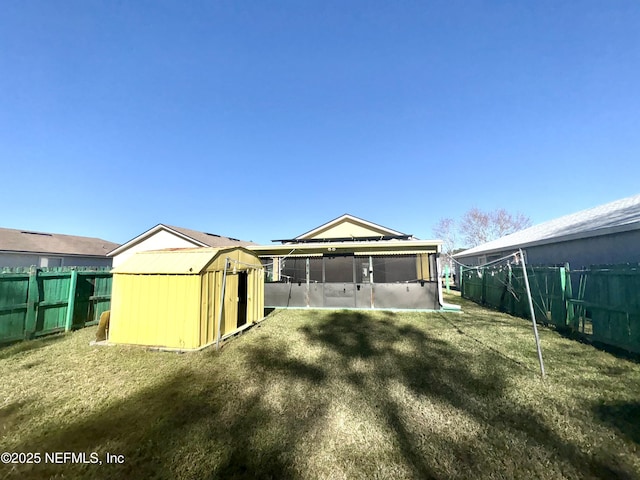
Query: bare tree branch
[477, 227]
[446, 230]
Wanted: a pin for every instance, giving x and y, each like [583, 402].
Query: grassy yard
[329, 394]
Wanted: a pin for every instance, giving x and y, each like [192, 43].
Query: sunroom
[351, 263]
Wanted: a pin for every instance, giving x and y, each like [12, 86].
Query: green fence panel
[53, 290]
[503, 288]
[548, 293]
[496, 286]
[606, 307]
[32, 304]
[472, 285]
[84, 291]
[610, 299]
[93, 297]
[101, 296]
[35, 302]
[634, 332]
[518, 289]
[14, 290]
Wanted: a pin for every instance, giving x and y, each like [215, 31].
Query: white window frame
[47, 259]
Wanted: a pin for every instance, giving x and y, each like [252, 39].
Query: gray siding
[13, 260]
[608, 249]
[616, 248]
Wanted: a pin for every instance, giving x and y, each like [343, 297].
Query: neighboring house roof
[347, 227]
[619, 216]
[199, 239]
[25, 241]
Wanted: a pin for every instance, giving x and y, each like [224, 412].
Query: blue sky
[264, 119]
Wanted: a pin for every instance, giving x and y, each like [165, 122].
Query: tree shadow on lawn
[436, 370]
[459, 330]
[482, 315]
[624, 416]
[21, 346]
[203, 423]
[11, 414]
[192, 425]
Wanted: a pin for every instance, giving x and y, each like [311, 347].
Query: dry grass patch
[329, 394]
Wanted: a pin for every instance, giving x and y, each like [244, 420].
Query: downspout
[448, 307]
[439, 281]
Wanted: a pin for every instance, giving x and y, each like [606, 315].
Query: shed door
[230, 322]
[235, 306]
[242, 298]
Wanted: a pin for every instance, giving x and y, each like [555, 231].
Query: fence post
[33, 296]
[71, 304]
[512, 299]
[567, 294]
[483, 290]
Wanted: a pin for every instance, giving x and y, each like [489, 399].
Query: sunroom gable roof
[348, 226]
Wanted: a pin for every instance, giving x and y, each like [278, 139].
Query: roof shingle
[40, 242]
[210, 239]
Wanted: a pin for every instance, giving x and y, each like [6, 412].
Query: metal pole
[373, 305]
[533, 314]
[224, 282]
[307, 269]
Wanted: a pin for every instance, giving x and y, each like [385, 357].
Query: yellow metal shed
[172, 298]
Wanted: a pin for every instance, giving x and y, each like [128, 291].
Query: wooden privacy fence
[601, 303]
[39, 301]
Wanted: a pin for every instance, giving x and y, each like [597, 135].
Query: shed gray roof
[210, 239]
[618, 216]
[26, 241]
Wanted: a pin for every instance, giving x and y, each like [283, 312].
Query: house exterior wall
[623, 247]
[158, 241]
[13, 260]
